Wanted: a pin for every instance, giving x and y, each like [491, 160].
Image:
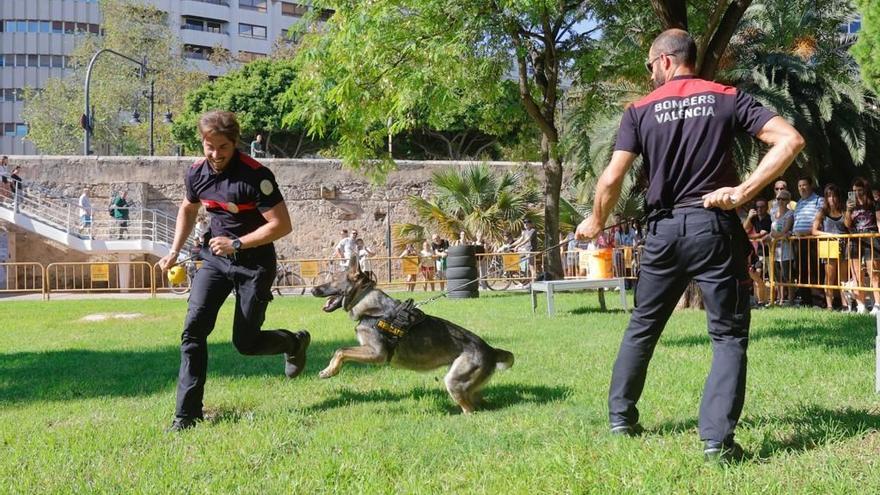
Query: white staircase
[34, 210]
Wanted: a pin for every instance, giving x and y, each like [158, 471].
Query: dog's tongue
[332, 303]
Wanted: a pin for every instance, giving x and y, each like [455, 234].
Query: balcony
[205, 38]
[213, 9]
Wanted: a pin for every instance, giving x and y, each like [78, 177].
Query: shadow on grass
[589, 310]
[850, 334]
[83, 373]
[804, 429]
[495, 397]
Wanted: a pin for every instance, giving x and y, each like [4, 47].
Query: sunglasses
[649, 64]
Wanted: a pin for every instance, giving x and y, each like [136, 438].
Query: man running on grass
[247, 215]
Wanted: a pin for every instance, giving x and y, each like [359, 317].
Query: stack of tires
[461, 272]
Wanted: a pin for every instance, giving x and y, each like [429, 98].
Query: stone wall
[322, 196]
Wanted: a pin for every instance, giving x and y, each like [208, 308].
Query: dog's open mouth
[333, 303]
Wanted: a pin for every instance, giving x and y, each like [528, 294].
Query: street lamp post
[87, 119]
[388, 238]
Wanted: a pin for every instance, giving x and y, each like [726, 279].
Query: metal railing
[63, 214]
[22, 278]
[849, 263]
[110, 276]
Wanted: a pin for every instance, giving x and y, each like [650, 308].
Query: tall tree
[867, 48]
[254, 92]
[719, 20]
[384, 67]
[139, 31]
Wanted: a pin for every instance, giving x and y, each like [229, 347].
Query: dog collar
[347, 306]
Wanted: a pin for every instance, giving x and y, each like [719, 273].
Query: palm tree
[476, 201]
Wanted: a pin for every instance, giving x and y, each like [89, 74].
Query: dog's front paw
[327, 373]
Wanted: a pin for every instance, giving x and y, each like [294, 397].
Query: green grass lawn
[84, 407]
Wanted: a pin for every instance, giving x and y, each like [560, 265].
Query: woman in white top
[363, 252]
[426, 264]
[780, 230]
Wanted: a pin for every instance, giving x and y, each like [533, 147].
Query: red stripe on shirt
[250, 162]
[683, 88]
[209, 203]
[199, 163]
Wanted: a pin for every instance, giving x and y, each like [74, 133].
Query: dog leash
[500, 270]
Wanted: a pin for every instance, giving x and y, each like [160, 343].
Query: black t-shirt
[440, 247]
[765, 225]
[236, 197]
[684, 131]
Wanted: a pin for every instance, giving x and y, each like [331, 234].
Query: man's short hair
[806, 178]
[677, 42]
[222, 123]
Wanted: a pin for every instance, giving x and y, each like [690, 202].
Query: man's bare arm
[607, 194]
[785, 141]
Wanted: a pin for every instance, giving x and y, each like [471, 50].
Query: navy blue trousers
[709, 247]
[251, 277]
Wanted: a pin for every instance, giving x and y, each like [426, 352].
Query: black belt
[248, 254]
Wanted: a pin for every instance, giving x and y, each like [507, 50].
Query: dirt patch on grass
[111, 316]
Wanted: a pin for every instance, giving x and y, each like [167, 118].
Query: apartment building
[38, 36]
[36, 40]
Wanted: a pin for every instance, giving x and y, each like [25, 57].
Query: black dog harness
[403, 317]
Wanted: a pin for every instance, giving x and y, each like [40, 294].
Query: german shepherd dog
[429, 344]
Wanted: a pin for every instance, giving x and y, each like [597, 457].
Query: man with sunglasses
[684, 132]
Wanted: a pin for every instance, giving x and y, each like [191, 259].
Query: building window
[202, 25]
[194, 24]
[258, 5]
[57, 27]
[293, 9]
[14, 129]
[45, 60]
[33, 60]
[246, 57]
[197, 52]
[9, 94]
[21, 60]
[286, 36]
[69, 28]
[252, 31]
[57, 61]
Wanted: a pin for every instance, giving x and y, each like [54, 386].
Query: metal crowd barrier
[100, 276]
[848, 263]
[22, 278]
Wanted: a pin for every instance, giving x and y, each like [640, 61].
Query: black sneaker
[722, 453]
[295, 361]
[180, 424]
[626, 429]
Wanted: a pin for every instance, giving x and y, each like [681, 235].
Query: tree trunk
[692, 297]
[552, 164]
[721, 38]
[672, 13]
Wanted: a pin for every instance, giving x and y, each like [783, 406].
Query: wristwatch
[236, 245]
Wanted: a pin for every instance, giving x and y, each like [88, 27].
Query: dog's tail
[503, 359]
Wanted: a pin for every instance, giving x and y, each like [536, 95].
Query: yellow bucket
[600, 264]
